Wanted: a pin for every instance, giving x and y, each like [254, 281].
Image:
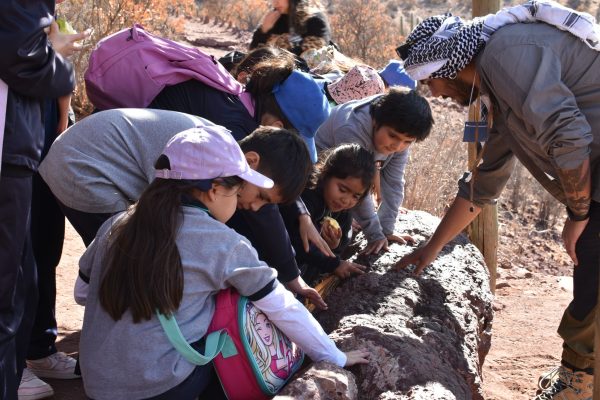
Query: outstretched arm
[456, 219]
[577, 185]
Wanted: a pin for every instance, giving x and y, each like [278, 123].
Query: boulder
[428, 335]
[321, 381]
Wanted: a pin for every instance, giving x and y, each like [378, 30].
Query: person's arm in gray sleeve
[492, 174]
[539, 96]
[364, 213]
[392, 191]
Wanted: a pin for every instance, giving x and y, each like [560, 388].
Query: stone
[428, 335]
[321, 381]
[501, 285]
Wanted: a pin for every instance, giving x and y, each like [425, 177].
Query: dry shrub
[242, 14]
[437, 163]
[364, 29]
[524, 195]
[163, 17]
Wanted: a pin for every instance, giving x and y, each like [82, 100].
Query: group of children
[172, 210]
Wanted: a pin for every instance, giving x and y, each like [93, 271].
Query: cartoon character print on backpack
[275, 355]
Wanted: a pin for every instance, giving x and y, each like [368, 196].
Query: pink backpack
[129, 69]
[252, 357]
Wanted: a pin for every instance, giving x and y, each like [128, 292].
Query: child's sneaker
[570, 385]
[55, 366]
[33, 388]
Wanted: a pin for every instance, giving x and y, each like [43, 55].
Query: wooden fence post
[402, 25]
[483, 231]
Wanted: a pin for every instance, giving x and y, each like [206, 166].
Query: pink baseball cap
[360, 82]
[206, 153]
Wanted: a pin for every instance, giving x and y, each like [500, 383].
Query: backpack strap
[216, 342]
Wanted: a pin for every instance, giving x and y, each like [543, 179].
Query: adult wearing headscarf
[540, 85]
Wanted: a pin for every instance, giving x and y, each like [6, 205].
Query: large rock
[322, 381]
[427, 335]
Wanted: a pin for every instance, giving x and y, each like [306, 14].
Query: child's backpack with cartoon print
[130, 68]
[252, 357]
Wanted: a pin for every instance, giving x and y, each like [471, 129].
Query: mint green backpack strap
[216, 342]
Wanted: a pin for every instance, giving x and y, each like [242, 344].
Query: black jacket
[195, 98]
[266, 231]
[315, 204]
[33, 72]
[316, 26]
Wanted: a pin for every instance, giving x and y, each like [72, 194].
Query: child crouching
[172, 253]
[341, 180]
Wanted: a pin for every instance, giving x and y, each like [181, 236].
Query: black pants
[47, 235]
[18, 291]
[86, 224]
[577, 326]
[201, 384]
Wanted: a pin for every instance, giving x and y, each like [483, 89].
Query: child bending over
[341, 180]
[172, 253]
[385, 125]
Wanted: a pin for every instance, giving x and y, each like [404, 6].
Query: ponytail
[144, 272]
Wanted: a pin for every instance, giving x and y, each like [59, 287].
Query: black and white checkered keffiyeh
[442, 45]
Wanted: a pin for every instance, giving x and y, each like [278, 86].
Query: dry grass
[437, 163]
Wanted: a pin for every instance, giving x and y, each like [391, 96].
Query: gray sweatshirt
[544, 85]
[213, 257]
[82, 177]
[352, 123]
[121, 360]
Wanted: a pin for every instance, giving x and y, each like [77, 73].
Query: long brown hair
[265, 75]
[300, 11]
[144, 273]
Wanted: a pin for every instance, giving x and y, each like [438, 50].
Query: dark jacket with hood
[315, 205]
[33, 72]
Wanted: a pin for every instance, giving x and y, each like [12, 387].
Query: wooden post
[402, 25]
[483, 231]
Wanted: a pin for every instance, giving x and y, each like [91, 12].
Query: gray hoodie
[352, 123]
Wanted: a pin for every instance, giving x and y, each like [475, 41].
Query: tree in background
[163, 17]
[363, 29]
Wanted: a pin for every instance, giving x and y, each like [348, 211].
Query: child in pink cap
[171, 253]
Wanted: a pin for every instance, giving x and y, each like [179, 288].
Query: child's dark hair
[261, 55]
[144, 272]
[263, 78]
[344, 161]
[284, 158]
[404, 111]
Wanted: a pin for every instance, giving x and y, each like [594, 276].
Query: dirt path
[524, 339]
[524, 344]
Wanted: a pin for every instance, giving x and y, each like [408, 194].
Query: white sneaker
[55, 366]
[33, 388]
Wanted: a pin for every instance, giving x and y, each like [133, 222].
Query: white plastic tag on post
[3, 101]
